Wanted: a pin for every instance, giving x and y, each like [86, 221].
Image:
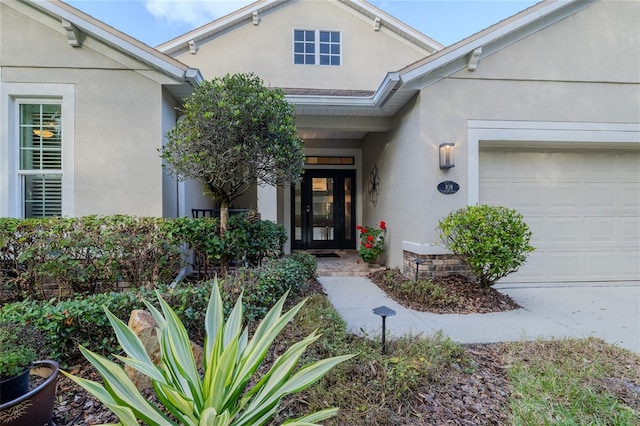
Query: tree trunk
[224, 217]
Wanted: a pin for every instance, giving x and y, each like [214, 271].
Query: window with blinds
[41, 159]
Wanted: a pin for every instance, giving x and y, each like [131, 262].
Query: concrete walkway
[610, 311]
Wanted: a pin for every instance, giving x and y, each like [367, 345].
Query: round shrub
[492, 240]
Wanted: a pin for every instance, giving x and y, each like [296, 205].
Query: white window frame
[317, 44]
[11, 96]
[23, 173]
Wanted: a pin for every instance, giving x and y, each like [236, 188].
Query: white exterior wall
[117, 112]
[402, 167]
[267, 49]
[582, 71]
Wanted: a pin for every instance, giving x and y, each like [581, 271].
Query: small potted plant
[18, 350]
[20, 404]
[372, 242]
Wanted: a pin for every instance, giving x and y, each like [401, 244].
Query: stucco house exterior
[83, 111]
[539, 112]
[542, 109]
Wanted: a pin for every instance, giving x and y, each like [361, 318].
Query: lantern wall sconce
[446, 155]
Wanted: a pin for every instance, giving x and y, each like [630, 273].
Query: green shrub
[249, 242]
[201, 235]
[81, 320]
[85, 254]
[492, 240]
[428, 293]
[307, 262]
[264, 285]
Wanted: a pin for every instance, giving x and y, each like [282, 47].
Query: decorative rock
[144, 326]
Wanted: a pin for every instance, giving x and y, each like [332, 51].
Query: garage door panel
[582, 206]
[599, 229]
[628, 262]
[628, 228]
[563, 265]
[493, 192]
[598, 194]
[598, 263]
[597, 162]
[627, 163]
[564, 229]
[565, 194]
[536, 224]
[534, 268]
[627, 194]
[527, 194]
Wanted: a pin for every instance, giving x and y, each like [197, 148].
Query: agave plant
[219, 396]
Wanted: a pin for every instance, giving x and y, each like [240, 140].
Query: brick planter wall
[434, 265]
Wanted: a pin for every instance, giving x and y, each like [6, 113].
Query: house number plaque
[448, 187]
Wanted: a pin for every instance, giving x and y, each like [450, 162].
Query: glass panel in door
[348, 209]
[322, 209]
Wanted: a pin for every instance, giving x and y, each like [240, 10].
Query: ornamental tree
[235, 133]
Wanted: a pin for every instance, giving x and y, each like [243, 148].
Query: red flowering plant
[371, 241]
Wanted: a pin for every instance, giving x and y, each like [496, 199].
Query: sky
[156, 21]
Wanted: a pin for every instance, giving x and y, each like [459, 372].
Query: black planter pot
[36, 406]
[14, 387]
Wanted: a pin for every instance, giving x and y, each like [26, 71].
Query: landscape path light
[384, 312]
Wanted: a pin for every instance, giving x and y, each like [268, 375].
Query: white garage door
[582, 205]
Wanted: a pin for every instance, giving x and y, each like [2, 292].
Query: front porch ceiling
[327, 127]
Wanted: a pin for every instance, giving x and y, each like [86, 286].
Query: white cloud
[192, 12]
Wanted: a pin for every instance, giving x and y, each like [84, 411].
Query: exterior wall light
[446, 155]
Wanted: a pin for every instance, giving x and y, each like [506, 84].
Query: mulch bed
[470, 297]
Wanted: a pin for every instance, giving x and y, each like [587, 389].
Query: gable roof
[399, 87]
[254, 10]
[74, 20]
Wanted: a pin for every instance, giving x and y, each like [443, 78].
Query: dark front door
[324, 210]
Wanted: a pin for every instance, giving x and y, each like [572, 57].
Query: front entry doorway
[324, 210]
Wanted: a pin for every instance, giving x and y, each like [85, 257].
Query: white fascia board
[326, 101]
[194, 76]
[399, 25]
[386, 89]
[112, 39]
[490, 37]
[233, 18]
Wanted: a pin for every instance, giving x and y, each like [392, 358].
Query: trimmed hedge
[94, 254]
[81, 320]
[86, 254]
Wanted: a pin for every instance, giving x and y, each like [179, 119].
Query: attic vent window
[316, 47]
